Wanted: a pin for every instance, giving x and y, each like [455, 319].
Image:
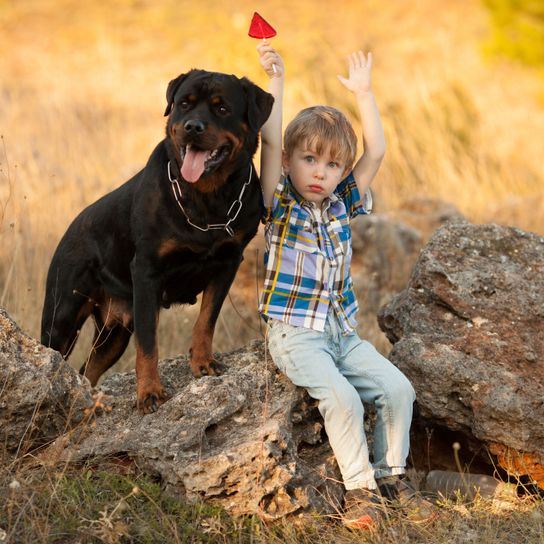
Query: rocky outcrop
[40, 395]
[248, 440]
[469, 333]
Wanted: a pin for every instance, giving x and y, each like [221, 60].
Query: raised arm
[359, 83]
[271, 136]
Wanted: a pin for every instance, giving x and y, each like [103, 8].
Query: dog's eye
[184, 104]
[222, 110]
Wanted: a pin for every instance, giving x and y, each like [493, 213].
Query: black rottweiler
[176, 229]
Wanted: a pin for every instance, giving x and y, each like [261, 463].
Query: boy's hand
[268, 58]
[358, 81]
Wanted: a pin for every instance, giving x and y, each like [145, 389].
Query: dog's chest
[185, 271]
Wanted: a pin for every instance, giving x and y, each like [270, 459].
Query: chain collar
[231, 216]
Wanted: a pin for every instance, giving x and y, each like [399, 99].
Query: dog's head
[213, 124]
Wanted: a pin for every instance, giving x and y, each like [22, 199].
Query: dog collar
[232, 213]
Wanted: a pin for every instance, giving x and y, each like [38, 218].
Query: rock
[468, 331]
[40, 395]
[248, 439]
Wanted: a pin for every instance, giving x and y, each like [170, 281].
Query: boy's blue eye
[308, 158]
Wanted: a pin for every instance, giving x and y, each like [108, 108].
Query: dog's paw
[206, 368]
[149, 402]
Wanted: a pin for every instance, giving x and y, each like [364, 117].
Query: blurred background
[459, 83]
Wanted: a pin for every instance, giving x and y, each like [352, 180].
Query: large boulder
[248, 439]
[468, 331]
[40, 395]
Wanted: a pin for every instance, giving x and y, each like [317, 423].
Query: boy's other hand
[360, 67]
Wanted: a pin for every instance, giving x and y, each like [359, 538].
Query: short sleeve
[348, 192]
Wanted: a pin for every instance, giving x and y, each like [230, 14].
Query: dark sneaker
[399, 493]
[363, 509]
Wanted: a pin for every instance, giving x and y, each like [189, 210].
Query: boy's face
[314, 176]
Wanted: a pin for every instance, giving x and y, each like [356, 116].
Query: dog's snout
[194, 126]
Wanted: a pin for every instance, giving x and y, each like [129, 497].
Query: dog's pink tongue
[193, 164]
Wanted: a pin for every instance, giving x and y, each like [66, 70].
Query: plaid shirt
[308, 255]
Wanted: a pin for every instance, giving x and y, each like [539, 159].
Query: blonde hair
[318, 127]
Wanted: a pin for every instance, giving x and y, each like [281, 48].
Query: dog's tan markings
[113, 328]
[114, 311]
[100, 360]
[201, 345]
[236, 143]
[168, 246]
[210, 183]
[215, 136]
[239, 236]
[150, 393]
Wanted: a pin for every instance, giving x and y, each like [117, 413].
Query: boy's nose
[319, 172]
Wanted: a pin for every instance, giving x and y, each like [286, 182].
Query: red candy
[260, 29]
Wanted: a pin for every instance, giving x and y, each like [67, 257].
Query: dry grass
[44, 501]
[81, 100]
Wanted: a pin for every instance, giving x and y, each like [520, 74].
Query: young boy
[308, 300]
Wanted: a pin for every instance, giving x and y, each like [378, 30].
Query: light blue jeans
[340, 371]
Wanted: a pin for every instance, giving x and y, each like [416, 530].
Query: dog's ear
[259, 104]
[171, 92]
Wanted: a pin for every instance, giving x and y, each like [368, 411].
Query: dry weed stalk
[110, 527]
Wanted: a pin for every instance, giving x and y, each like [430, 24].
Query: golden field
[82, 93]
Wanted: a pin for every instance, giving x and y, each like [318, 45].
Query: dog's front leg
[149, 391]
[202, 361]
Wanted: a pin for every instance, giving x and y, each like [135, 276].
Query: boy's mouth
[316, 188]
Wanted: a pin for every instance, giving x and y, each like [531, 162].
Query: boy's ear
[285, 162]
